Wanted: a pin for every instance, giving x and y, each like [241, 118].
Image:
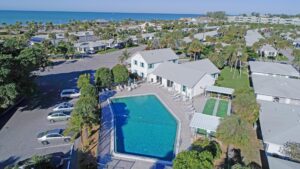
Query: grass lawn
[209, 106]
[226, 79]
[107, 51]
[222, 108]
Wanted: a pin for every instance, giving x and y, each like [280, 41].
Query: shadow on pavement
[9, 161]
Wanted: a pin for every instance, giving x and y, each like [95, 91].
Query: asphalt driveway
[21, 126]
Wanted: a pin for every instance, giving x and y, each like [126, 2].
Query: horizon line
[16, 10]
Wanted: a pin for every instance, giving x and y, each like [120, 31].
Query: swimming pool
[144, 127]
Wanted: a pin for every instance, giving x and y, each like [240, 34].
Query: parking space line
[54, 146]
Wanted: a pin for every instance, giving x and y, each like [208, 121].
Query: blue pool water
[144, 127]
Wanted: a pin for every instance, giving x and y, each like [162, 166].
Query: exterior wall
[205, 81]
[143, 70]
[273, 148]
[264, 97]
[137, 68]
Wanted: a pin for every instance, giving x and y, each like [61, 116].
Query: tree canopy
[103, 77]
[193, 160]
[17, 63]
[120, 73]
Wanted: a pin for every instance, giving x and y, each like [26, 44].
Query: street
[18, 134]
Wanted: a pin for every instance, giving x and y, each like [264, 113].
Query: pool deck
[106, 159]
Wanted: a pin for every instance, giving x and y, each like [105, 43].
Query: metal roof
[276, 86]
[273, 68]
[277, 163]
[252, 36]
[222, 90]
[158, 55]
[201, 36]
[204, 65]
[203, 121]
[268, 48]
[179, 74]
[279, 122]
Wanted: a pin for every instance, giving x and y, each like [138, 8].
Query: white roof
[273, 68]
[90, 44]
[222, 90]
[277, 163]
[203, 121]
[179, 74]
[276, 86]
[252, 36]
[279, 122]
[158, 55]
[201, 36]
[82, 33]
[268, 48]
[187, 40]
[204, 65]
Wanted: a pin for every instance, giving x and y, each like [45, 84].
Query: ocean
[11, 17]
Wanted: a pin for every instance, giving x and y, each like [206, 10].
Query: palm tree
[125, 55]
[52, 36]
[195, 48]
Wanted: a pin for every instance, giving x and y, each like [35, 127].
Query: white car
[53, 136]
[65, 106]
[59, 116]
[69, 93]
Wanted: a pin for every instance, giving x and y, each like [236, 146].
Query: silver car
[53, 136]
[59, 116]
[65, 106]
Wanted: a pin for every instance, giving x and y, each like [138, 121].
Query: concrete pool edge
[137, 157]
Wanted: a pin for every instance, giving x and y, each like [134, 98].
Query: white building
[92, 47]
[263, 20]
[273, 69]
[84, 36]
[204, 65]
[202, 36]
[276, 89]
[279, 124]
[268, 51]
[186, 81]
[144, 62]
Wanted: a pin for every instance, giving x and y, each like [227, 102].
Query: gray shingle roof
[276, 86]
[277, 163]
[158, 55]
[279, 122]
[179, 74]
[204, 65]
[273, 68]
[252, 36]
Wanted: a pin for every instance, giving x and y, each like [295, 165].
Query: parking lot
[21, 126]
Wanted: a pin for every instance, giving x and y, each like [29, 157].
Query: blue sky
[156, 6]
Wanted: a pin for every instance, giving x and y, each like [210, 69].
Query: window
[142, 64]
[150, 66]
[135, 62]
[142, 74]
[184, 88]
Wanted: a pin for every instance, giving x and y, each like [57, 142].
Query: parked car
[91, 52]
[69, 93]
[54, 160]
[53, 136]
[59, 116]
[65, 106]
